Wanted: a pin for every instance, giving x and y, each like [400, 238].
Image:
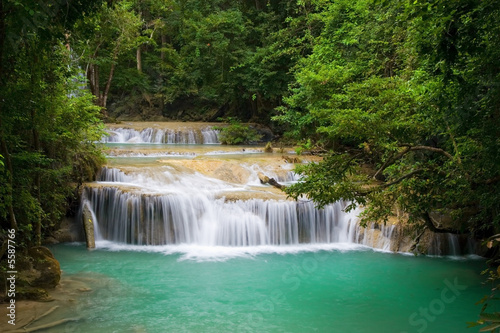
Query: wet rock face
[88, 226]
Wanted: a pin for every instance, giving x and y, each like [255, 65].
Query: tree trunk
[38, 224]
[36, 146]
[3, 145]
[139, 59]
[93, 77]
[2, 38]
[108, 85]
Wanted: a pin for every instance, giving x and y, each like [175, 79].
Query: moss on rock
[45, 263]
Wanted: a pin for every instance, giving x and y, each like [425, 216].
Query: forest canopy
[405, 96]
[48, 120]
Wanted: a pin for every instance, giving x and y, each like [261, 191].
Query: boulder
[48, 267]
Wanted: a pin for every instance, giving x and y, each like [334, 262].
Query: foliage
[237, 133]
[48, 123]
[490, 320]
[232, 56]
[405, 95]
[100, 39]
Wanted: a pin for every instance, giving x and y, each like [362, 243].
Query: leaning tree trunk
[106, 89]
[3, 145]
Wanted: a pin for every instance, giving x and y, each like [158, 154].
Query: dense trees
[47, 121]
[405, 96]
[215, 57]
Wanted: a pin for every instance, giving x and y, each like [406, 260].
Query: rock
[50, 241]
[32, 294]
[263, 178]
[49, 271]
[289, 159]
[265, 132]
[88, 226]
[63, 235]
[268, 148]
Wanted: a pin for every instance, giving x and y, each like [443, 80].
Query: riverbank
[60, 308]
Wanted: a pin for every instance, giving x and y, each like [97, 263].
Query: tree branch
[429, 148]
[389, 162]
[417, 239]
[394, 182]
[408, 175]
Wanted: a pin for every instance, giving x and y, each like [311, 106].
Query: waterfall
[177, 218]
[159, 207]
[453, 245]
[210, 136]
[112, 175]
[447, 244]
[211, 204]
[378, 236]
[152, 135]
[130, 216]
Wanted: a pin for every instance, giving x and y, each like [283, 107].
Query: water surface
[271, 289]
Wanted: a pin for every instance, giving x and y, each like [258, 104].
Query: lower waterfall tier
[132, 218]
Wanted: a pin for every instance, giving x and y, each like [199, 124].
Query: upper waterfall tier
[170, 133]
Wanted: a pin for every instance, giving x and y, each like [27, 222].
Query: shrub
[237, 133]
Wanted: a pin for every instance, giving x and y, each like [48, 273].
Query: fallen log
[271, 181]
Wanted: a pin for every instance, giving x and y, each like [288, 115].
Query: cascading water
[167, 204]
[162, 206]
[152, 135]
[198, 219]
[112, 175]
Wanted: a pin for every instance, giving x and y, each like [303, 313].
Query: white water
[153, 135]
[112, 175]
[223, 253]
[169, 211]
[178, 218]
[159, 208]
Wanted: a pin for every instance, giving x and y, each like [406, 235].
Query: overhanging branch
[429, 148]
[408, 175]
